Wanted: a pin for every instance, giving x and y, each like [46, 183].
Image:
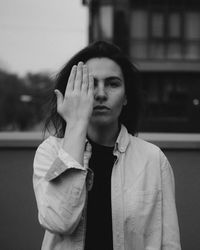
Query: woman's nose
[100, 92]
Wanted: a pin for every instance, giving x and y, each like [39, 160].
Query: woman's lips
[99, 107]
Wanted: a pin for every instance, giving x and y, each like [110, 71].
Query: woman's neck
[103, 135]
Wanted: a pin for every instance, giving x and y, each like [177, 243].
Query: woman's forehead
[104, 67]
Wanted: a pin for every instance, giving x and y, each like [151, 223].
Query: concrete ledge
[173, 140]
[163, 140]
[20, 139]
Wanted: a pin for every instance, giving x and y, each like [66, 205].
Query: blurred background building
[163, 39]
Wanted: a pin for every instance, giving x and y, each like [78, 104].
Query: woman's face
[109, 91]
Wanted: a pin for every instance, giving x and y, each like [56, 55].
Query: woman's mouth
[101, 109]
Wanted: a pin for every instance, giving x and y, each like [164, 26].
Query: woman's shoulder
[137, 141]
[147, 152]
[143, 147]
[137, 144]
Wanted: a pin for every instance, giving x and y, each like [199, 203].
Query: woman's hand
[77, 104]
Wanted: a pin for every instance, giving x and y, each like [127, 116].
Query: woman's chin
[100, 120]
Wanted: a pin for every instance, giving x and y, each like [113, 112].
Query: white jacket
[144, 213]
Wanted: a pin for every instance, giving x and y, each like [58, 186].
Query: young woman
[97, 185]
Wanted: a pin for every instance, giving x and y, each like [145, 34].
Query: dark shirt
[99, 217]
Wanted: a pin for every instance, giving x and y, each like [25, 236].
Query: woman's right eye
[113, 83]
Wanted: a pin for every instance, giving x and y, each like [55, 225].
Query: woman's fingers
[91, 85]
[79, 75]
[78, 103]
[85, 82]
[78, 79]
[59, 97]
[71, 80]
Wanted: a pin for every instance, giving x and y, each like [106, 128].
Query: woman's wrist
[80, 125]
[74, 140]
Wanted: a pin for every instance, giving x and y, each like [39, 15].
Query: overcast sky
[40, 35]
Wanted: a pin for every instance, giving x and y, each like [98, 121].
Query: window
[106, 21]
[139, 34]
[192, 34]
[165, 31]
[172, 102]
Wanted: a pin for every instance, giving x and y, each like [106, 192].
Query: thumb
[59, 97]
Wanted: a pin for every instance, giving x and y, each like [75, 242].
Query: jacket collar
[122, 140]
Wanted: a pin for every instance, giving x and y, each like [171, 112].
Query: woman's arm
[59, 186]
[59, 180]
[76, 107]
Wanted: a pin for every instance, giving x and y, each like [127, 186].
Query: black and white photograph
[99, 125]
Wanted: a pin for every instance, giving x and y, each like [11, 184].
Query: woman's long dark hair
[130, 113]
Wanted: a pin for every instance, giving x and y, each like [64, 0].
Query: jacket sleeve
[59, 186]
[170, 230]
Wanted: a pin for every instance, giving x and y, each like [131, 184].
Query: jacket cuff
[63, 162]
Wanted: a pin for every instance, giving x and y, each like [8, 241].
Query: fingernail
[80, 63]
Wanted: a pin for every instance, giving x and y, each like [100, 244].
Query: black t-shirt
[99, 217]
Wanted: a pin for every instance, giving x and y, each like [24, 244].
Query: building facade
[162, 38]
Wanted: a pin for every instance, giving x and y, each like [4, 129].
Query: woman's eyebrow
[109, 78]
[114, 78]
